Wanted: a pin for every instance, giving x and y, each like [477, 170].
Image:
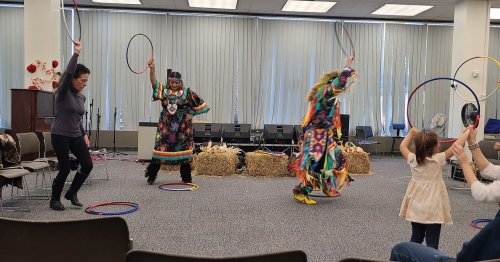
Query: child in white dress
[426, 204]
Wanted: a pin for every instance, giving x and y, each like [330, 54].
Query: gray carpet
[249, 215]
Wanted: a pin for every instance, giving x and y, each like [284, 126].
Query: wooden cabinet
[32, 110]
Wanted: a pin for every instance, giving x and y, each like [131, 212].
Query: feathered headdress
[323, 80]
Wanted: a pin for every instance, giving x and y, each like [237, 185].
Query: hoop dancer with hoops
[174, 135]
[321, 163]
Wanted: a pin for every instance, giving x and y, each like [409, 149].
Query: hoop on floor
[443, 78]
[454, 86]
[126, 55]
[191, 186]
[353, 51]
[75, 7]
[133, 207]
[477, 222]
[325, 196]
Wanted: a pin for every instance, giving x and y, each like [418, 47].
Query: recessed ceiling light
[219, 4]
[402, 10]
[495, 13]
[308, 6]
[125, 2]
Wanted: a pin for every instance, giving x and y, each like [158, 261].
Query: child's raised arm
[403, 148]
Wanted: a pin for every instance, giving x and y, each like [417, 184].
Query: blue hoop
[475, 223]
[443, 78]
[134, 207]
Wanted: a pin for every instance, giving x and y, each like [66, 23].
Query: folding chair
[147, 256]
[364, 137]
[48, 153]
[10, 171]
[101, 239]
[100, 159]
[11, 174]
[29, 147]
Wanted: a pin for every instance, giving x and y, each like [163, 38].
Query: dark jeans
[414, 252]
[431, 232]
[62, 146]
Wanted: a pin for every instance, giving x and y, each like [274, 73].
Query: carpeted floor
[248, 215]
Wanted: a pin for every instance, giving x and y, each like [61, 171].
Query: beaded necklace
[173, 98]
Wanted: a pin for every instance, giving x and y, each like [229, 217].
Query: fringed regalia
[321, 163]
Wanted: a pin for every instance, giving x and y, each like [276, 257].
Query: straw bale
[215, 164]
[216, 160]
[261, 163]
[358, 161]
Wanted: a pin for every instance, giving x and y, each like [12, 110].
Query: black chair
[364, 137]
[147, 256]
[489, 152]
[398, 128]
[102, 239]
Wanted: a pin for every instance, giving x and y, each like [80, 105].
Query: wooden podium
[32, 110]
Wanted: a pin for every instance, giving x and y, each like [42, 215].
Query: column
[470, 39]
[42, 42]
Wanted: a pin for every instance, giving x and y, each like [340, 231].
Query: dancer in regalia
[174, 135]
[321, 163]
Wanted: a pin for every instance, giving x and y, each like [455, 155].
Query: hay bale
[261, 163]
[358, 161]
[215, 164]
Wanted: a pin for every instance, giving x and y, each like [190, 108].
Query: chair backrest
[29, 145]
[47, 141]
[358, 259]
[398, 128]
[364, 132]
[102, 239]
[486, 147]
[147, 256]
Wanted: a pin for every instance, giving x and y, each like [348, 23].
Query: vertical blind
[251, 69]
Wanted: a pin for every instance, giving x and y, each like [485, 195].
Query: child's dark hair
[425, 144]
[80, 70]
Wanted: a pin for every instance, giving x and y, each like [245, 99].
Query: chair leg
[12, 208]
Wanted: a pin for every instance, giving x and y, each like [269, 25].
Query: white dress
[426, 200]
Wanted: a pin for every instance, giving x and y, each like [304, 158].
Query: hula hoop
[133, 207]
[443, 78]
[476, 223]
[191, 187]
[126, 55]
[317, 195]
[66, 22]
[456, 72]
[348, 37]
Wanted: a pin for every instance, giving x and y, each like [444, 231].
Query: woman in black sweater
[67, 131]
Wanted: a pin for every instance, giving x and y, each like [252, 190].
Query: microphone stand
[90, 118]
[114, 137]
[86, 123]
[97, 134]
